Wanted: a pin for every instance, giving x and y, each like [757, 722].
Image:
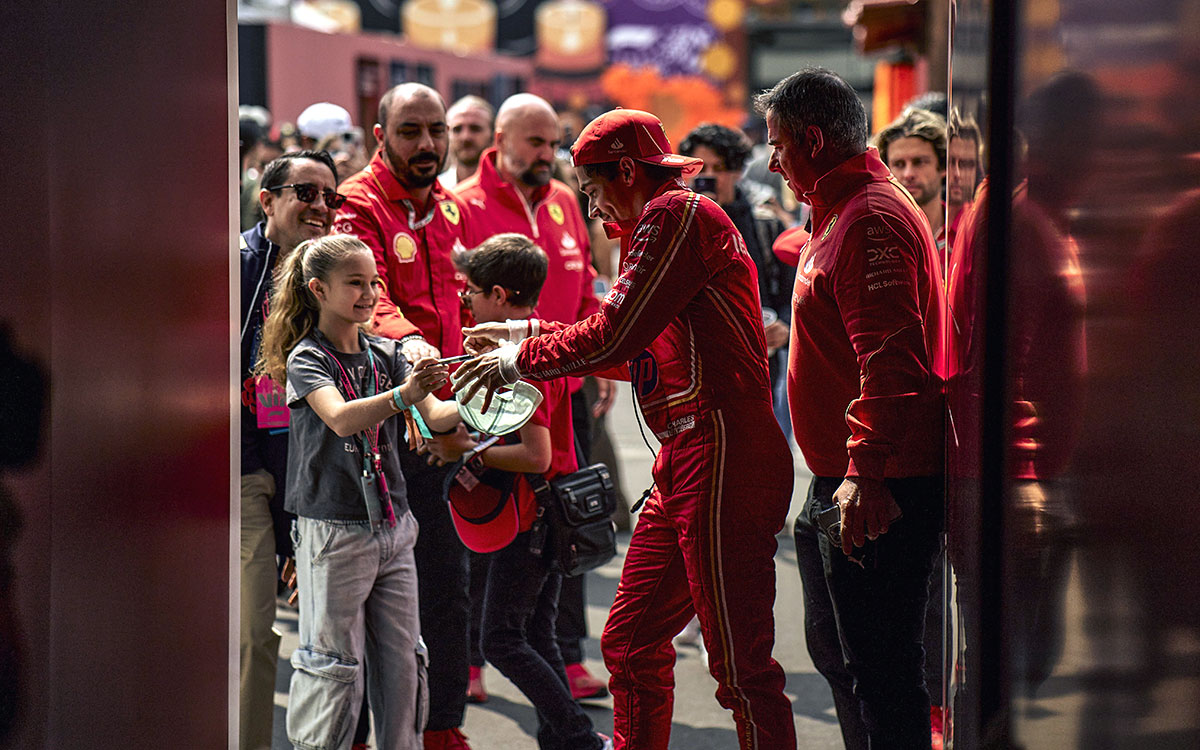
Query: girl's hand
[427, 376]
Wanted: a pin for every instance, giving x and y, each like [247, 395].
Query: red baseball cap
[633, 133]
[483, 506]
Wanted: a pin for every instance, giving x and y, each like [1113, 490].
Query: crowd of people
[739, 327]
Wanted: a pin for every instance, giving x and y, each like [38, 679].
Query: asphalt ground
[507, 721]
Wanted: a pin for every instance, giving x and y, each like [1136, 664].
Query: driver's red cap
[633, 133]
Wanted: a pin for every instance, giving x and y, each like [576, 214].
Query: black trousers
[865, 623]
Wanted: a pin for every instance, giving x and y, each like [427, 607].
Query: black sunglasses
[308, 194]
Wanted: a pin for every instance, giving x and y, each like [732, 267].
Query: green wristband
[398, 399]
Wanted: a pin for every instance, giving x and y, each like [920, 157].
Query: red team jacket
[864, 379]
[553, 222]
[684, 314]
[413, 253]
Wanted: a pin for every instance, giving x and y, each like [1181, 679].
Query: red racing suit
[864, 372]
[685, 315]
[413, 246]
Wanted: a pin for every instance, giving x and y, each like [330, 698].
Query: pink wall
[305, 66]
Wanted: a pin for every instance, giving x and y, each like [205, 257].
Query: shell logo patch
[405, 248]
[556, 213]
[450, 211]
[829, 226]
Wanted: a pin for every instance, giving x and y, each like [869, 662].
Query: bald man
[413, 225]
[514, 191]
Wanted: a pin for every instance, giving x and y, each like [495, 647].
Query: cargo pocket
[321, 700]
[422, 698]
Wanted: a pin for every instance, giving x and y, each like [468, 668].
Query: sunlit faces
[351, 291]
[715, 167]
[527, 146]
[470, 133]
[962, 162]
[915, 164]
[416, 139]
[290, 220]
[606, 199]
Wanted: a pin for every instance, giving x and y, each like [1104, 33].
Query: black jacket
[261, 449]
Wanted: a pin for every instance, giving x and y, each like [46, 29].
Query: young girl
[354, 534]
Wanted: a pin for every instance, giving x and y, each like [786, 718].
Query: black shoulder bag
[574, 528]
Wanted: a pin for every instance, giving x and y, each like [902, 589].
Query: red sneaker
[476, 692]
[446, 739]
[583, 684]
[935, 727]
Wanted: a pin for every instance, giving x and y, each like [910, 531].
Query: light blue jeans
[358, 596]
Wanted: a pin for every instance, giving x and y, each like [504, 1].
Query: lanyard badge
[373, 481]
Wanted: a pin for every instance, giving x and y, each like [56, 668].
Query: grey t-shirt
[324, 470]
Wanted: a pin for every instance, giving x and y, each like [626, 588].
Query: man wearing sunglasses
[298, 200]
[414, 226]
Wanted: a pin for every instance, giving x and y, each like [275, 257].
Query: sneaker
[608, 745]
[476, 692]
[583, 684]
[936, 727]
[446, 739]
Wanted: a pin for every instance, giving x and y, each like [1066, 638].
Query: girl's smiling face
[352, 290]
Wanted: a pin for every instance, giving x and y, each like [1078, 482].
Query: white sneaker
[608, 745]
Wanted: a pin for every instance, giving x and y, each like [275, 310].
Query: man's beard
[924, 194]
[405, 171]
[537, 179]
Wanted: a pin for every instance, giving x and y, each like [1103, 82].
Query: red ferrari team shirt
[554, 413]
[553, 221]
[864, 372]
[413, 247]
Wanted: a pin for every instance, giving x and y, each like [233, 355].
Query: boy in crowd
[504, 278]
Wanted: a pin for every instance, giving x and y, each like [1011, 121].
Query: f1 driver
[685, 316]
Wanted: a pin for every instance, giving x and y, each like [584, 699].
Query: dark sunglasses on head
[308, 194]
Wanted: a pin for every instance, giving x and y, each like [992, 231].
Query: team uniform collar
[393, 190]
[846, 178]
[617, 229]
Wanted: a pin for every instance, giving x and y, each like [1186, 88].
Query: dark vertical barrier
[993, 677]
[116, 269]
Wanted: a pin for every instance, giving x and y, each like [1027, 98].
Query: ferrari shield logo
[556, 213]
[829, 226]
[404, 247]
[450, 211]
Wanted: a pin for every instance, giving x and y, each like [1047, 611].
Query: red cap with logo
[483, 506]
[633, 133]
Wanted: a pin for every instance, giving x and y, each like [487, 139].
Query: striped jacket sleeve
[663, 271]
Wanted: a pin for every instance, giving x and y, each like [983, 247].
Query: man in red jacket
[398, 208]
[514, 191]
[865, 388]
[685, 316]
